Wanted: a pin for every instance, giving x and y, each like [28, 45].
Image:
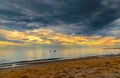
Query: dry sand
[102, 67]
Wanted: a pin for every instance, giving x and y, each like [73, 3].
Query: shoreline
[90, 67]
[42, 61]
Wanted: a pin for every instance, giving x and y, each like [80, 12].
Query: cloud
[20, 36]
[82, 17]
[114, 4]
[40, 36]
[115, 32]
[114, 28]
[67, 28]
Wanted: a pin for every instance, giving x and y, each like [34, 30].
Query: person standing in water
[53, 51]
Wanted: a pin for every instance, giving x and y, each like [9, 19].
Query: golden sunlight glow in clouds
[39, 36]
[4, 43]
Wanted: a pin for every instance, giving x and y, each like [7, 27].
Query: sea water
[11, 54]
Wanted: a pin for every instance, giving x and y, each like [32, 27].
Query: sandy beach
[93, 67]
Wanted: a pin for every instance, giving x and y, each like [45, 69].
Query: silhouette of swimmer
[53, 51]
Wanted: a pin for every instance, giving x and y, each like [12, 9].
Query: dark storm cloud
[86, 17]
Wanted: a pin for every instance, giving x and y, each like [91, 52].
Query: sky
[59, 21]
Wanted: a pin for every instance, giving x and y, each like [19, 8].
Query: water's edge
[25, 63]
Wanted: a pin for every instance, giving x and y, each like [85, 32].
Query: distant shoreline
[111, 48]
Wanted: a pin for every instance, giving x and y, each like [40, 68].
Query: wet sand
[92, 67]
